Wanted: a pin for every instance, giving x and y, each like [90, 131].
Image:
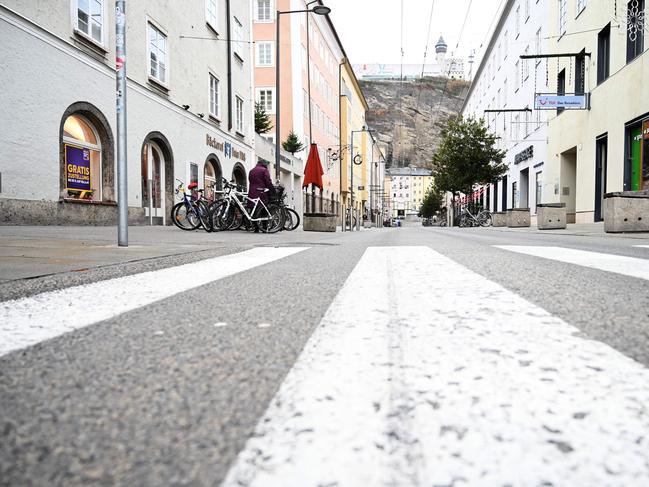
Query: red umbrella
[313, 171]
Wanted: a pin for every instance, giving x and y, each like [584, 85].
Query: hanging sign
[567, 102]
[77, 168]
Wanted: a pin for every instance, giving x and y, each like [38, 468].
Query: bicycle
[291, 217]
[468, 219]
[192, 211]
[230, 212]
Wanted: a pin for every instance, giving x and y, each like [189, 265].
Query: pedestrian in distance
[258, 182]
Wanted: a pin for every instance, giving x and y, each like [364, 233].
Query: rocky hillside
[409, 116]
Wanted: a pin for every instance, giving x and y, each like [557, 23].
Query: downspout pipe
[229, 43]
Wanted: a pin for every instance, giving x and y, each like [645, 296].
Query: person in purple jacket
[258, 181]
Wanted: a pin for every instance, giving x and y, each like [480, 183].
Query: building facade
[503, 92]
[308, 77]
[604, 147]
[189, 95]
[407, 188]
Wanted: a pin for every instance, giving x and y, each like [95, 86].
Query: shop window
[82, 160]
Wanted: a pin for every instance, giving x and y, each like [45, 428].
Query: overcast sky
[370, 30]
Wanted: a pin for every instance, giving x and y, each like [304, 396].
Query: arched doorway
[153, 183]
[157, 178]
[86, 155]
[212, 176]
[239, 175]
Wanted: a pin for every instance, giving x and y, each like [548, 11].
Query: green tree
[467, 156]
[433, 201]
[292, 144]
[262, 120]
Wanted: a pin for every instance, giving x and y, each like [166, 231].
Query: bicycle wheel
[294, 218]
[184, 217]
[485, 221]
[288, 220]
[275, 220]
[204, 215]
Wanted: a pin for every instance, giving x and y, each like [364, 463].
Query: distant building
[406, 188]
[443, 67]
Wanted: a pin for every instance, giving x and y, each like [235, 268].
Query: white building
[604, 148]
[407, 187]
[506, 83]
[190, 110]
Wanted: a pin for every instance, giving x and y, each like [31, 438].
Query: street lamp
[318, 10]
[353, 162]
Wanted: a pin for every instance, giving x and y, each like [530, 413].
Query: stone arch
[239, 175]
[215, 163]
[163, 143]
[107, 143]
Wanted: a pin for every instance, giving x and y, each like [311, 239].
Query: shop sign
[567, 102]
[524, 155]
[226, 147]
[77, 168]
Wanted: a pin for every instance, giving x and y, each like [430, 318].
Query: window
[263, 11]
[193, 173]
[603, 54]
[90, 19]
[157, 55]
[266, 96]
[237, 37]
[537, 45]
[563, 13]
[505, 44]
[561, 87]
[518, 21]
[239, 115]
[635, 29]
[580, 73]
[210, 13]
[215, 96]
[82, 151]
[265, 53]
[517, 75]
[527, 10]
[581, 5]
[539, 187]
[526, 65]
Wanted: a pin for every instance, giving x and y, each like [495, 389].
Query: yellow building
[406, 188]
[353, 108]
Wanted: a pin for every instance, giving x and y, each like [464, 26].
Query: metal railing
[314, 203]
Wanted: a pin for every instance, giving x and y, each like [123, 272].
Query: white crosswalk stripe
[642, 246]
[27, 321]
[620, 264]
[423, 372]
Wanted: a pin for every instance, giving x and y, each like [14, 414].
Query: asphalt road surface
[404, 356]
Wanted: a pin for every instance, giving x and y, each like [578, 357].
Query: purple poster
[77, 168]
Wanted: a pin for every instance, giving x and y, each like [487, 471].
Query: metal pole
[351, 165]
[277, 99]
[120, 64]
[308, 72]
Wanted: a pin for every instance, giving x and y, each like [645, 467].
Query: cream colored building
[407, 187]
[604, 148]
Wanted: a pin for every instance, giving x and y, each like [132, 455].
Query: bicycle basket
[278, 196]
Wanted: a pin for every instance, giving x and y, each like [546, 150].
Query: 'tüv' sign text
[567, 102]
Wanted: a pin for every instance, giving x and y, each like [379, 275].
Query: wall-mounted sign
[524, 155]
[77, 168]
[226, 147]
[567, 102]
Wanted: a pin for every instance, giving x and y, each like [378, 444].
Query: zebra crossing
[412, 377]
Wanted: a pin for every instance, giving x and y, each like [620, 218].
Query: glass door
[153, 182]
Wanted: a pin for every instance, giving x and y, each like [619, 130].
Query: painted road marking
[423, 372]
[619, 264]
[642, 246]
[27, 321]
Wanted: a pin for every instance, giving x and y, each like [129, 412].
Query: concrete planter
[551, 216]
[320, 222]
[499, 219]
[626, 211]
[518, 217]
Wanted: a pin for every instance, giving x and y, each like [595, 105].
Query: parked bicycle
[468, 219]
[193, 211]
[291, 217]
[231, 211]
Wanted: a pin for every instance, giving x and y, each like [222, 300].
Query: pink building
[325, 52]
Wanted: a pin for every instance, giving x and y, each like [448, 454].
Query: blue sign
[77, 168]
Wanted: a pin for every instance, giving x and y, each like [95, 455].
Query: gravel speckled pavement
[170, 392]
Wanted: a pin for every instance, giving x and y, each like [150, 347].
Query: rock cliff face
[409, 115]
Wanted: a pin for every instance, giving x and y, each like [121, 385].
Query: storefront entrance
[637, 169]
[153, 183]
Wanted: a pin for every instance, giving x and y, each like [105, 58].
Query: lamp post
[122, 176]
[319, 10]
[353, 163]
[308, 71]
